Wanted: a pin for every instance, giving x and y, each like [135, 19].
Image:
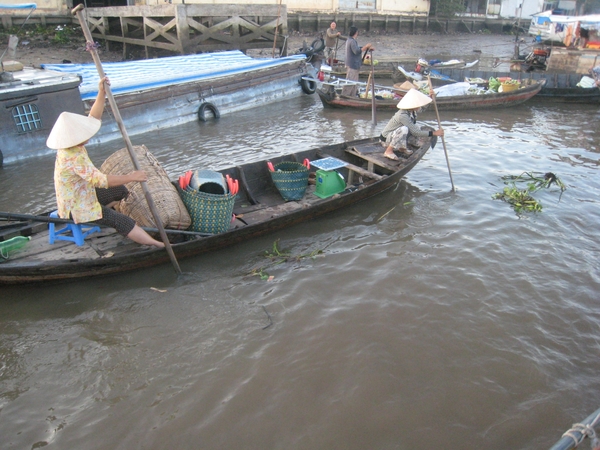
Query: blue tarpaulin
[23, 6]
[131, 76]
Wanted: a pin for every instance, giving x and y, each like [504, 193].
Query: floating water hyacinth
[521, 199]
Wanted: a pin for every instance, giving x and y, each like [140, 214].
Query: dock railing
[194, 28]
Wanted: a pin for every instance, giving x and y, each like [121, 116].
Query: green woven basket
[210, 213]
[291, 179]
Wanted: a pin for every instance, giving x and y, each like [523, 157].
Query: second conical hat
[413, 99]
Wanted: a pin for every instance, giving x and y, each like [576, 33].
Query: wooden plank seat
[358, 170]
[372, 160]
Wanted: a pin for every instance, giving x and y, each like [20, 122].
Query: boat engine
[537, 58]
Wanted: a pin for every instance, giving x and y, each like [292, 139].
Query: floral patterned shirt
[75, 180]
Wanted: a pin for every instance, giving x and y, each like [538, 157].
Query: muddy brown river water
[431, 319]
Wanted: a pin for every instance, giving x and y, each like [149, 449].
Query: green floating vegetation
[521, 199]
[276, 257]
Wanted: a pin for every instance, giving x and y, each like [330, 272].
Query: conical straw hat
[72, 129]
[413, 99]
[407, 85]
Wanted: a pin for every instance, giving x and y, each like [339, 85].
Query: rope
[585, 431]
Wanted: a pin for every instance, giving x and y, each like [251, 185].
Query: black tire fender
[318, 45]
[308, 84]
[207, 106]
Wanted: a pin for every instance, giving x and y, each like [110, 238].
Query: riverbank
[37, 50]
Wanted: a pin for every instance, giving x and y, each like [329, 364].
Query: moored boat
[462, 101]
[401, 74]
[561, 87]
[386, 97]
[361, 173]
[151, 94]
[30, 101]
[160, 93]
[423, 64]
[526, 90]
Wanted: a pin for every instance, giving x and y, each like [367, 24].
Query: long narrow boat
[560, 87]
[331, 98]
[151, 94]
[159, 93]
[528, 89]
[259, 206]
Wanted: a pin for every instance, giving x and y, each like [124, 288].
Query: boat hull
[485, 101]
[157, 94]
[333, 100]
[29, 106]
[151, 94]
[560, 87]
[259, 203]
[462, 102]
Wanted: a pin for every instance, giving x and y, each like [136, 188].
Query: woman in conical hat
[83, 193]
[404, 123]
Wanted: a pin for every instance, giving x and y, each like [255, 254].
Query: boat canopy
[589, 21]
[131, 76]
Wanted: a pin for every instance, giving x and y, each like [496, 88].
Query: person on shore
[83, 193]
[404, 124]
[353, 61]
[331, 36]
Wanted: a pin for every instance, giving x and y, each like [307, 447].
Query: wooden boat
[423, 64]
[259, 208]
[159, 93]
[561, 87]
[528, 89]
[390, 68]
[437, 77]
[331, 98]
[151, 94]
[30, 102]
[383, 69]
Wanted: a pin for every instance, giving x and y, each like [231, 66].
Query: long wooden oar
[115, 109]
[58, 220]
[437, 113]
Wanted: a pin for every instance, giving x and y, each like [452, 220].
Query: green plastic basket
[291, 179]
[210, 213]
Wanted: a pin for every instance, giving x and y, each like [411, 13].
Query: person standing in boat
[353, 61]
[595, 73]
[83, 193]
[331, 36]
[404, 123]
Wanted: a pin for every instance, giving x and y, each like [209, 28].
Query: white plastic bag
[451, 90]
[586, 82]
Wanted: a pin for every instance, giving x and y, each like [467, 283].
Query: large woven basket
[171, 210]
[291, 179]
[210, 213]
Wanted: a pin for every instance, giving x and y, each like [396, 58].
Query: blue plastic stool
[71, 232]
